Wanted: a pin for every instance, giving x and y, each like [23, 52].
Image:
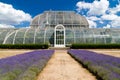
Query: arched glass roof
[59, 17]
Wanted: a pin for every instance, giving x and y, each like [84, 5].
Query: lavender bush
[24, 66]
[103, 66]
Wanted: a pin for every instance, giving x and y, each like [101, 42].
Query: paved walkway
[62, 67]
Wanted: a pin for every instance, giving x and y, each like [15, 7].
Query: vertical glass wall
[74, 29]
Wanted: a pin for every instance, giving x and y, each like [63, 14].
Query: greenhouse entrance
[59, 36]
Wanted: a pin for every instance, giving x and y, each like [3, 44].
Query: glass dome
[59, 29]
[59, 17]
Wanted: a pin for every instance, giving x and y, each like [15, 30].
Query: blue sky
[99, 13]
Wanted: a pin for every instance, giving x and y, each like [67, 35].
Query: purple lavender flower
[105, 66]
[12, 68]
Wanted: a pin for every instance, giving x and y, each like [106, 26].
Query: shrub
[95, 46]
[24, 46]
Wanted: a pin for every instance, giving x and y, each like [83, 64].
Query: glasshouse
[59, 29]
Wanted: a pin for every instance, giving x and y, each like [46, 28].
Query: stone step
[59, 48]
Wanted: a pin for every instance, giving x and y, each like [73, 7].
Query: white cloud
[99, 11]
[6, 26]
[83, 5]
[92, 24]
[115, 9]
[113, 18]
[93, 18]
[95, 8]
[109, 17]
[115, 23]
[99, 7]
[12, 16]
[101, 21]
[107, 26]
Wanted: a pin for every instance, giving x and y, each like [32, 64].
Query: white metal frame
[55, 44]
[7, 36]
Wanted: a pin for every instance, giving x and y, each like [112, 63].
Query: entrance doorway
[59, 36]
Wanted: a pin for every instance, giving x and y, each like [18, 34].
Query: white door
[59, 36]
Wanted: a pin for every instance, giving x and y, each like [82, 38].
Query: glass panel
[59, 35]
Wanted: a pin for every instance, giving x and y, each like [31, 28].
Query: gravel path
[11, 52]
[62, 67]
[111, 52]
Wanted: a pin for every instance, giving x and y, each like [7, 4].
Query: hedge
[24, 46]
[95, 46]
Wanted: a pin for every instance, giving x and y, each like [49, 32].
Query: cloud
[92, 24]
[94, 8]
[83, 5]
[99, 12]
[6, 26]
[97, 8]
[115, 23]
[93, 18]
[107, 26]
[12, 16]
[109, 17]
[115, 9]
